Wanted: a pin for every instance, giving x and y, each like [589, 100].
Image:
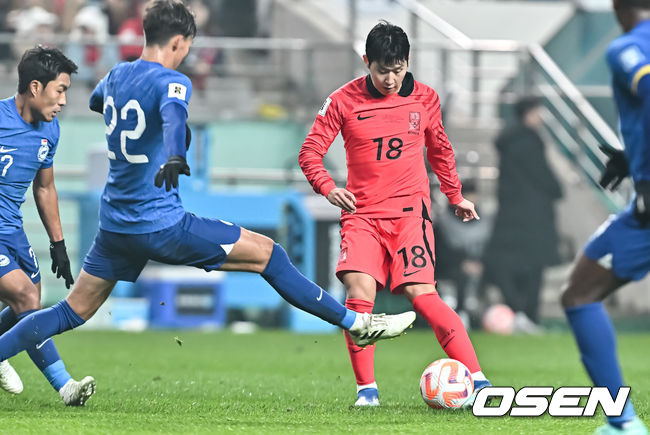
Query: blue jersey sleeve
[96, 103]
[49, 146]
[628, 64]
[631, 70]
[176, 88]
[174, 118]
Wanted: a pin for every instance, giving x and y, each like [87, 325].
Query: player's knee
[25, 297]
[574, 295]
[261, 252]
[412, 291]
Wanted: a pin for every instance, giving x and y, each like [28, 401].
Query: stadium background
[261, 70]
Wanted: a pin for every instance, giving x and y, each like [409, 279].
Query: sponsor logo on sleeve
[177, 90]
[323, 108]
[43, 150]
[630, 57]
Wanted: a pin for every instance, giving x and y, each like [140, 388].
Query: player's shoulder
[345, 96]
[420, 88]
[351, 89]
[5, 108]
[426, 94]
[627, 51]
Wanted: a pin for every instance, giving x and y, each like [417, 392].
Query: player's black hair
[164, 19]
[525, 105]
[387, 44]
[43, 64]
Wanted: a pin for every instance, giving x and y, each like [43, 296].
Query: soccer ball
[499, 319]
[446, 383]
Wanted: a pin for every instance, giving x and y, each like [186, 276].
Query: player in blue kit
[144, 104]
[29, 135]
[619, 251]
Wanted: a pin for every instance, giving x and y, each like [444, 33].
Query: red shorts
[402, 248]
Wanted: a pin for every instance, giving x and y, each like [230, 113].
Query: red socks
[362, 359]
[448, 328]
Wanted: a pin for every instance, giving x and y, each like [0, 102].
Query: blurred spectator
[5, 46]
[32, 25]
[198, 64]
[524, 240]
[459, 252]
[88, 44]
[130, 33]
[117, 11]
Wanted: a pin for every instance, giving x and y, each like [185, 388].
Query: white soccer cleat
[369, 328]
[9, 379]
[76, 393]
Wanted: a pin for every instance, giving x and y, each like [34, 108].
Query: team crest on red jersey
[414, 122]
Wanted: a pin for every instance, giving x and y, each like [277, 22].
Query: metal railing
[574, 125]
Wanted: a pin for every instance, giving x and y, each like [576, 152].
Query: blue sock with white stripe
[596, 340]
[302, 293]
[47, 359]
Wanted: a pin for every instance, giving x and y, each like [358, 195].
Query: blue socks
[596, 340]
[7, 320]
[32, 333]
[302, 293]
[47, 359]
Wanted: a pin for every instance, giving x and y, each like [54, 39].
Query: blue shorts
[193, 241]
[620, 243]
[16, 253]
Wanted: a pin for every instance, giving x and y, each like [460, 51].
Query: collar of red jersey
[407, 86]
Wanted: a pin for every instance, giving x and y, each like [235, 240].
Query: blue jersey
[628, 57]
[24, 149]
[133, 96]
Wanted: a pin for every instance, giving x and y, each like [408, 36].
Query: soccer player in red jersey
[386, 119]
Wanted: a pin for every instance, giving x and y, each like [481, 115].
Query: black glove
[642, 202]
[616, 168]
[188, 136]
[168, 172]
[61, 262]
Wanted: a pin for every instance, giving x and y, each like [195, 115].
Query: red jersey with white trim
[384, 138]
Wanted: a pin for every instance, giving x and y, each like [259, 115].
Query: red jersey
[384, 138]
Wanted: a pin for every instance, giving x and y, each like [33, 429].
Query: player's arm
[326, 126]
[631, 68]
[641, 86]
[175, 128]
[440, 155]
[96, 102]
[47, 203]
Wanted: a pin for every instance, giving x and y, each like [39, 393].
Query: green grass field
[278, 382]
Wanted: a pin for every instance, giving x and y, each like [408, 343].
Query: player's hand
[188, 137]
[616, 168]
[61, 262]
[168, 173]
[342, 198]
[642, 202]
[465, 210]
